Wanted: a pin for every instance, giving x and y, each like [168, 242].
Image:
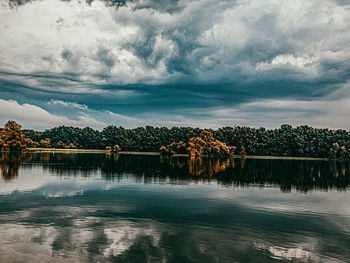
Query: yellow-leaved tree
[205, 144]
[12, 138]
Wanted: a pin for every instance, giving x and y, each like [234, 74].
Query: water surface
[123, 208]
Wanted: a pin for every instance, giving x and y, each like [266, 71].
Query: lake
[57, 207]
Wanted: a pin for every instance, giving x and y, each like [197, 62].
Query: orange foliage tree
[174, 147]
[117, 148]
[12, 138]
[46, 143]
[205, 144]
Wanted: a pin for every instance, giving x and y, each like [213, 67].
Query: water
[107, 208]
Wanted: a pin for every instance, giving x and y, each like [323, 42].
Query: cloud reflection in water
[140, 209]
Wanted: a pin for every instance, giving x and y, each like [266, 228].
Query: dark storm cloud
[13, 3]
[137, 98]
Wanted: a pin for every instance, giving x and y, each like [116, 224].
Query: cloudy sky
[199, 63]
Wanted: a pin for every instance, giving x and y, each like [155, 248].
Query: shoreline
[260, 157]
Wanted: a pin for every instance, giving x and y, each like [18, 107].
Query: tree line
[303, 141]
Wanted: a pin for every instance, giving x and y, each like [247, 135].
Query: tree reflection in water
[54, 220]
[10, 162]
[287, 174]
[201, 168]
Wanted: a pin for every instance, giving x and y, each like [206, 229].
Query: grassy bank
[57, 150]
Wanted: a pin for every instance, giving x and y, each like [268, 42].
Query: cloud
[317, 113]
[267, 113]
[164, 58]
[68, 104]
[33, 116]
[73, 114]
[122, 120]
[202, 41]
[288, 59]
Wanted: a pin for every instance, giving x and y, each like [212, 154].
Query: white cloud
[288, 59]
[316, 113]
[31, 116]
[328, 112]
[68, 104]
[289, 254]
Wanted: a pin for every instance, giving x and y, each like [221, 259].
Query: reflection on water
[121, 208]
[287, 174]
[11, 162]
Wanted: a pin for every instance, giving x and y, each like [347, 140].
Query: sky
[198, 63]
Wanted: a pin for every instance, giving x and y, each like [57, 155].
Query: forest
[302, 141]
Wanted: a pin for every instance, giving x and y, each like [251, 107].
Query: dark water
[105, 208]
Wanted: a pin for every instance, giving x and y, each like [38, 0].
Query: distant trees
[302, 141]
[243, 152]
[112, 135]
[145, 138]
[285, 141]
[339, 152]
[71, 137]
[12, 138]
